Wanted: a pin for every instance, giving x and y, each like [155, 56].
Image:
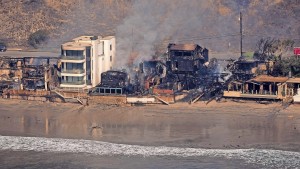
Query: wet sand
[216, 125]
[39, 160]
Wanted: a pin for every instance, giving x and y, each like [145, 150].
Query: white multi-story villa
[84, 59]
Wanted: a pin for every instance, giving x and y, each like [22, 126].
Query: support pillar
[246, 88]
[261, 88]
[285, 90]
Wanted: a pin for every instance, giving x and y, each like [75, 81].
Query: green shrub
[38, 38]
[284, 66]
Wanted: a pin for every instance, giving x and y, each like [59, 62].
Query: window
[187, 53]
[74, 66]
[88, 52]
[110, 47]
[177, 53]
[74, 53]
[110, 58]
[88, 66]
[69, 66]
[71, 79]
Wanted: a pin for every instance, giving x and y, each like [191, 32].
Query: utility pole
[241, 32]
[131, 41]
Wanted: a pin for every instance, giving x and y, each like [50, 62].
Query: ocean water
[39, 152]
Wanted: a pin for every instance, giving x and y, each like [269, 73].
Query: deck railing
[72, 57]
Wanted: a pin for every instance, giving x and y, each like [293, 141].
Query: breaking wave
[267, 158]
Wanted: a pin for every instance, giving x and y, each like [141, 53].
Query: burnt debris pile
[184, 73]
[27, 73]
[113, 82]
[38, 74]
[185, 70]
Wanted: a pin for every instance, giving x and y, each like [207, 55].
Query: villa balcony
[73, 84]
[73, 71]
[73, 59]
[82, 82]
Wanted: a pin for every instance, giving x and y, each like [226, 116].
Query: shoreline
[225, 125]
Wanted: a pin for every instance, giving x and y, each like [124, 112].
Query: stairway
[69, 99]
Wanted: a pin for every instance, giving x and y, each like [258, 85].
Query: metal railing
[73, 82]
[72, 57]
[73, 71]
[107, 90]
[257, 92]
[72, 89]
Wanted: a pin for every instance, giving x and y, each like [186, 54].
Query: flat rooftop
[83, 38]
[90, 38]
[75, 45]
[107, 38]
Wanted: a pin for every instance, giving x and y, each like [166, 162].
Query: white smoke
[213, 24]
[158, 22]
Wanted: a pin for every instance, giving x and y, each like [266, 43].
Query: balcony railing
[72, 57]
[73, 82]
[73, 71]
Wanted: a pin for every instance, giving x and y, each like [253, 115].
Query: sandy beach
[216, 125]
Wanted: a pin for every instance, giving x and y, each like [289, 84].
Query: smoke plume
[213, 24]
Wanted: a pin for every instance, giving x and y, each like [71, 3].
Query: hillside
[62, 18]
[211, 23]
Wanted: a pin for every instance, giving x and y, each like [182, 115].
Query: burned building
[151, 73]
[113, 82]
[11, 66]
[245, 69]
[186, 58]
[186, 62]
[18, 73]
[10, 73]
[38, 74]
[250, 65]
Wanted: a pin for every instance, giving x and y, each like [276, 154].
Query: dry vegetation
[69, 18]
[20, 18]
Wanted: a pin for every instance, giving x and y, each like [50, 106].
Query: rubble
[26, 74]
[113, 82]
[184, 75]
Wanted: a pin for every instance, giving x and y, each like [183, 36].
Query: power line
[209, 37]
[217, 37]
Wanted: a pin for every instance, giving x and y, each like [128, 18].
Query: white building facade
[84, 59]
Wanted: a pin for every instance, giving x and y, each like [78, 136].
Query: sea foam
[264, 157]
